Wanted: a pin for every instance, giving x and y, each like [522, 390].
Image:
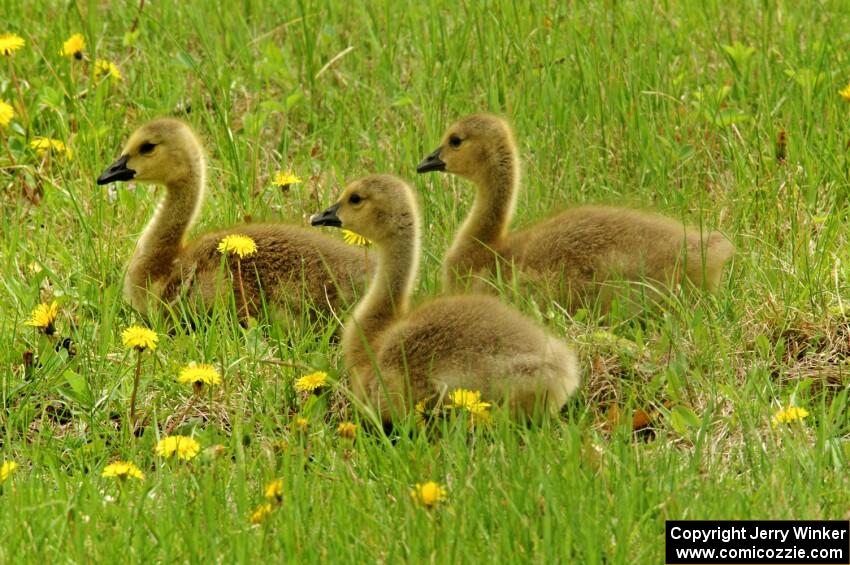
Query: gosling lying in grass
[397, 357]
[292, 267]
[582, 255]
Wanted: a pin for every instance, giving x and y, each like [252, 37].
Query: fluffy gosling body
[397, 356]
[578, 254]
[292, 267]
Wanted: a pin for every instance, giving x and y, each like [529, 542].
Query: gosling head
[379, 207]
[471, 147]
[162, 151]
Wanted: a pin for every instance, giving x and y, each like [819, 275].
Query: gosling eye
[354, 199]
[455, 141]
[146, 148]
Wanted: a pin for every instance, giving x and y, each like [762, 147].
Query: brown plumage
[397, 356]
[583, 255]
[293, 266]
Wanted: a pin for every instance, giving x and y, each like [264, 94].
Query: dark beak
[431, 163]
[116, 171]
[327, 218]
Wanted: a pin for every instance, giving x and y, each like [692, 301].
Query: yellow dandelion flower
[354, 238]
[285, 179]
[6, 470]
[199, 374]
[347, 430]
[182, 446]
[428, 494]
[469, 400]
[74, 46]
[6, 113]
[43, 145]
[242, 245]
[274, 490]
[139, 338]
[10, 42]
[43, 317]
[261, 513]
[103, 67]
[461, 397]
[301, 423]
[311, 382]
[788, 415]
[122, 470]
[479, 408]
[845, 93]
[479, 415]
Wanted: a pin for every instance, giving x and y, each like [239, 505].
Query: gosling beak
[327, 218]
[431, 163]
[116, 171]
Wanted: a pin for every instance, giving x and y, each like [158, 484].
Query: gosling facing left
[397, 357]
[584, 255]
[292, 267]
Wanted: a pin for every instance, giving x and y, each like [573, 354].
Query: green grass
[656, 104]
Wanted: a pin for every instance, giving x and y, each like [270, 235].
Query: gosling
[397, 357]
[293, 267]
[582, 256]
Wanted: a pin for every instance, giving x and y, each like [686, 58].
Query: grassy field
[722, 114]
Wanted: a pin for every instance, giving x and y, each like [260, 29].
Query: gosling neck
[163, 239]
[495, 200]
[388, 297]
